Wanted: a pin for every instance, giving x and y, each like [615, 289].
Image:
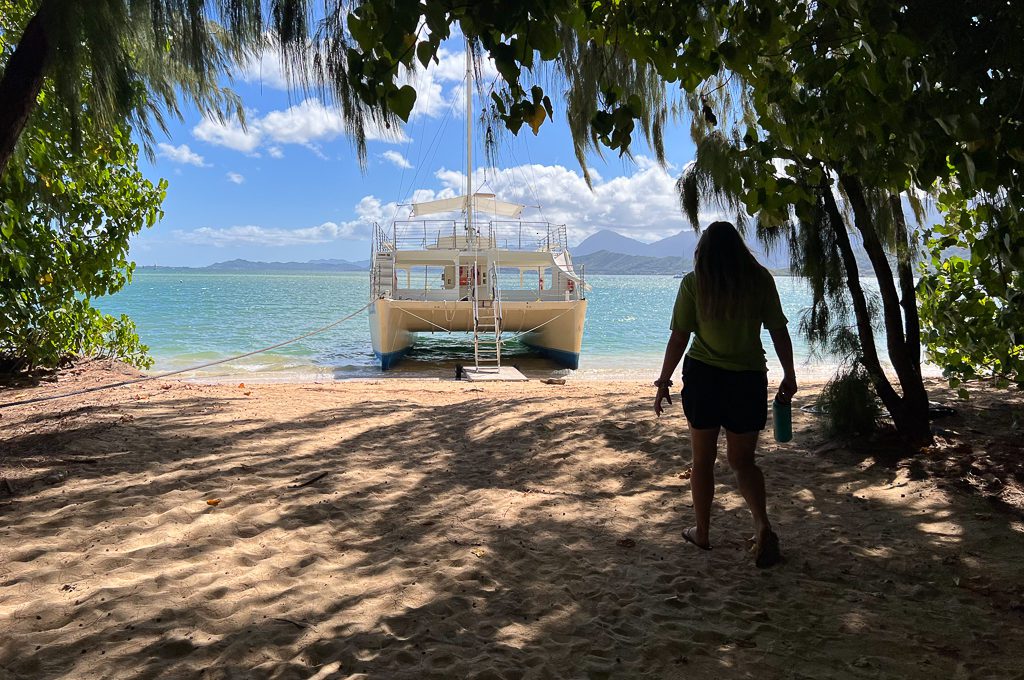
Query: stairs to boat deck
[384, 268]
[486, 336]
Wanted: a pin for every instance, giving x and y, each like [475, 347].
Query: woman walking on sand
[724, 302]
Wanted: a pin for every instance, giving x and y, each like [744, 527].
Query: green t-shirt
[733, 344]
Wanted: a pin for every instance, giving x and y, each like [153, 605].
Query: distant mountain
[311, 266]
[679, 247]
[360, 264]
[605, 262]
[613, 243]
[255, 267]
[775, 259]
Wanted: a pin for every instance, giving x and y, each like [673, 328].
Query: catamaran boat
[486, 272]
[492, 278]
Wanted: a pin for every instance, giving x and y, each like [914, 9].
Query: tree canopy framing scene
[210, 469]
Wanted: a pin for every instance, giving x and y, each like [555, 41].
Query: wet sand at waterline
[415, 529]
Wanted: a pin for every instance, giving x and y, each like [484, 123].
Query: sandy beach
[441, 529]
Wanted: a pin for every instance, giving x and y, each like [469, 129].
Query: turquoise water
[190, 318]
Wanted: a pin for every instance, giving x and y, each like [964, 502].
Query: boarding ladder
[487, 321]
[382, 265]
[384, 269]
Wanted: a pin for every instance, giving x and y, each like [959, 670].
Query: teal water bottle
[782, 418]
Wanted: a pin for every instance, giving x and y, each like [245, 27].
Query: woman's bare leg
[750, 480]
[702, 480]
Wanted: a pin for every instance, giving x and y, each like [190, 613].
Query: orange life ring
[463, 276]
[571, 285]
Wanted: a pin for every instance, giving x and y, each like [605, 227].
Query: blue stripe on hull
[390, 359]
[559, 356]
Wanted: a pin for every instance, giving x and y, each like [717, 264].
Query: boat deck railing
[429, 279]
[507, 295]
[455, 235]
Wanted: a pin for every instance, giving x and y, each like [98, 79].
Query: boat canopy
[563, 263]
[487, 203]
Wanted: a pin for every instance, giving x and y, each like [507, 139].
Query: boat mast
[469, 137]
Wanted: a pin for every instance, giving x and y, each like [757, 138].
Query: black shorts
[715, 397]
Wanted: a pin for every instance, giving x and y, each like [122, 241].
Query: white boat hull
[391, 340]
[551, 328]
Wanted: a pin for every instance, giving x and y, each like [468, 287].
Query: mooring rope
[428, 321]
[147, 378]
[522, 333]
[504, 340]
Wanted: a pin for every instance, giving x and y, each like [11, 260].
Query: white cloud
[235, 177]
[431, 100]
[275, 152]
[367, 211]
[309, 121]
[181, 154]
[644, 205]
[263, 236]
[438, 86]
[451, 66]
[228, 133]
[306, 124]
[396, 159]
[265, 69]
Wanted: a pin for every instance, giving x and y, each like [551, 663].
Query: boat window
[422, 278]
[525, 278]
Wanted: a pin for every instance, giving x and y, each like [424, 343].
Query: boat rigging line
[431, 149]
[554, 318]
[503, 341]
[160, 376]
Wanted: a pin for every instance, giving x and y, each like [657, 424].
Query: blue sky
[289, 187]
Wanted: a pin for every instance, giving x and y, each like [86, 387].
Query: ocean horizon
[193, 317]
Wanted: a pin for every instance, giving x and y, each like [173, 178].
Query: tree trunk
[22, 81]
[860, 307]
[905, 272]
[915, 394]
[911, 417]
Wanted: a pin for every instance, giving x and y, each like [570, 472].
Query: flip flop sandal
[769, 555]
[690, 539]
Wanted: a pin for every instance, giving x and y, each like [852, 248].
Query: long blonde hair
[728, 275]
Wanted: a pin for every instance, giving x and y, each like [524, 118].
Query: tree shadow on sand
[483, 537]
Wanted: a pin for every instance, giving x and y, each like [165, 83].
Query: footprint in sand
[248, 531]
[401, 627]
[174, 649]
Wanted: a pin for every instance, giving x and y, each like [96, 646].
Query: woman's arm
[674, 351]
[784, 348]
